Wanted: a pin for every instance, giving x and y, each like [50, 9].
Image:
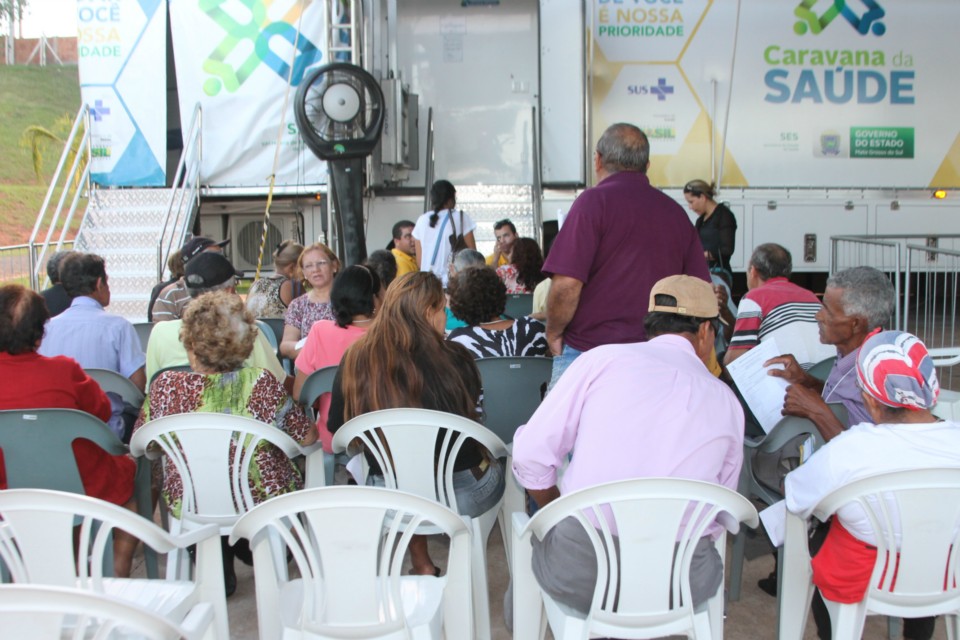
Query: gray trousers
[565, 565]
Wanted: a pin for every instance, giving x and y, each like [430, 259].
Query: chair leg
[894, 627]
[736, 565]
[952, 623]
[481, 598]
[846, 620]
[143, 491]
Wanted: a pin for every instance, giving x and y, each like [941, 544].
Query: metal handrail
[83, 184]
[429, 169]
[537, 182]
[182, 193]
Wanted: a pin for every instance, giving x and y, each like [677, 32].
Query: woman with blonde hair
[270, 296]
[218, 332]
[403, 361]
[317, 265]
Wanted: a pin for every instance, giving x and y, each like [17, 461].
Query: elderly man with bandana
[899, 387]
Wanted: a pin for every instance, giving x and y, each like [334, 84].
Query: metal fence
[15, 263]
[924, 272]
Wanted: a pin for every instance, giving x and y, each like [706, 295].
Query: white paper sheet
[774, 519]
[763, 393]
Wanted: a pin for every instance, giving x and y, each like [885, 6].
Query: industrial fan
[339, 111]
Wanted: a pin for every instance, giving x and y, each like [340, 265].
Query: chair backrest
[403, 442]
[512, 390]
[915, 513]
[349, 545]
[317, 383]
[214, 469]
[113, 381]
[179, 367]
[519, 305]
[37, 446]
[276, 327]
[31, 611]
[143, 330]
[644, 532]
[39, 529]
[822, 369]
[269, 334]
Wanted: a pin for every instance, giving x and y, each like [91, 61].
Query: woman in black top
[715, 223]
[403, 361]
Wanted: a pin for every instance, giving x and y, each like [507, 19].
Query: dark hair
[53, 265]
[477, 294]
[440, 193]
[505, 223]
[529, 262]
[624, 147]
[384, 264]
[399, 227]
[79, 273]
[770, 260]
[22, 316]
[658, 323]
[699, 188]
[352, 293]
[403, 361]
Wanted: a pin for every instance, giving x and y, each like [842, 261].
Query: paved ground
[754, 617]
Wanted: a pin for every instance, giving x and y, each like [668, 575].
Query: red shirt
[32, 381]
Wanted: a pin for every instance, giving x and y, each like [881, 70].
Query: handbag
[456, 239]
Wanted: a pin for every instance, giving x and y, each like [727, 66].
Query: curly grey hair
[866, 292]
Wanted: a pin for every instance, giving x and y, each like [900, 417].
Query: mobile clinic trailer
[815, 118]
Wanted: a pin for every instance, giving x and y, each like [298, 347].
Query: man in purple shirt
[620, 237]
[639, 410]
[857, 302]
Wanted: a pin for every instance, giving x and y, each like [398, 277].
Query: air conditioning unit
[246, 231]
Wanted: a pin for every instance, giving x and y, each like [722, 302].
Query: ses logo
[810, 22]
[661, 89]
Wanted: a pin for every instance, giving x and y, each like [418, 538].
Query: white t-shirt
[428, 235]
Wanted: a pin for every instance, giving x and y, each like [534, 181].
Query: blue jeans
[560, 364]
[474, 496]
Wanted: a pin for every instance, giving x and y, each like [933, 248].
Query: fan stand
[345, 91]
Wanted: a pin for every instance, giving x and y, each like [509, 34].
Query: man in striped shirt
[776, 308]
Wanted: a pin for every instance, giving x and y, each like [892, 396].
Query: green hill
[30, 96]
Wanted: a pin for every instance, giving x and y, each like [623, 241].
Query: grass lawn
[30, 96]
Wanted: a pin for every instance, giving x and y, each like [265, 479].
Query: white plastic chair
[924, 507]
[403, 442]
[54, 613]
[349, 544]
[647, 580]
[37, 529]
[215, 473]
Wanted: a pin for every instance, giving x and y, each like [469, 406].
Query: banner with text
[234, 57]
[814, 93]
[122, 66]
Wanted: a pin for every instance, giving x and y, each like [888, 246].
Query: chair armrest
[195, 536]
[315, 472]
[198, 620]
[527, 598]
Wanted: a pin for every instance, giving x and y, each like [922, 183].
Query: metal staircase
[134, 230]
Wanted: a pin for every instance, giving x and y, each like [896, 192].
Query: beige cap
[695, 297]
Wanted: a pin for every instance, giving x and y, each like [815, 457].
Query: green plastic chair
[38, 454]
[113, 381]
[512, 391]
[519, 305]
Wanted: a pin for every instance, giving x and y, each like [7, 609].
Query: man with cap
[208, 271]
[646, 409]
[899, 386]
[174, 298]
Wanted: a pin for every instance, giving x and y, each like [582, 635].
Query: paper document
[774, 519]
[762, 392]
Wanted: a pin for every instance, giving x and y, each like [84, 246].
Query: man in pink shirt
[649, 409]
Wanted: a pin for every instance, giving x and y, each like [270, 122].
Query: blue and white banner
[234, 57]
[121, 48]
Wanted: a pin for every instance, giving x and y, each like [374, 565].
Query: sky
[50, 17]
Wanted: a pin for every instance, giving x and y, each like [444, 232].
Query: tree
[11, 13]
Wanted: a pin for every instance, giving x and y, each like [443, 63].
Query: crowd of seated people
[407, 340]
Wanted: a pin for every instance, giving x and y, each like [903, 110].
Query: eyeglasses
[319, 264]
